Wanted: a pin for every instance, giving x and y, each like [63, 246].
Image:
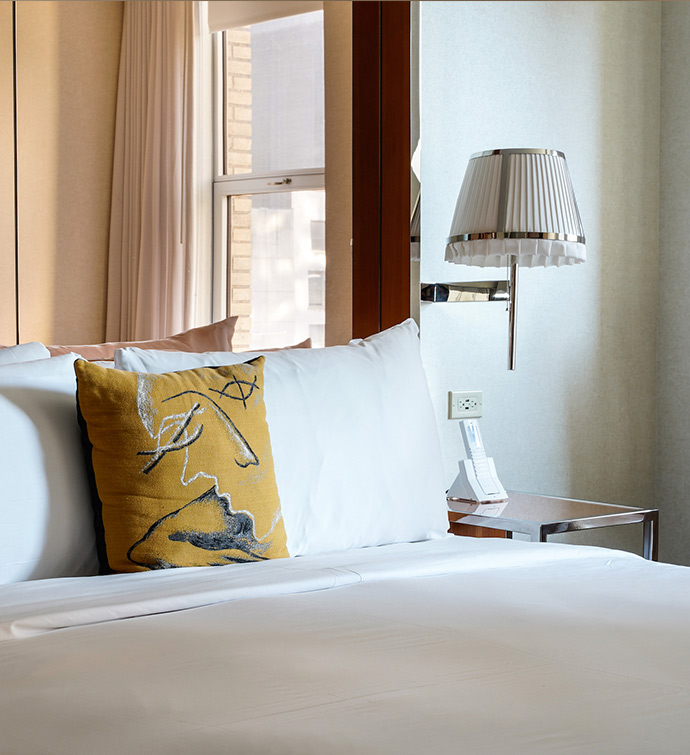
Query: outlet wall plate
[464, 404]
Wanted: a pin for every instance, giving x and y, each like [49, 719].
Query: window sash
[304, 179]
[228, 185]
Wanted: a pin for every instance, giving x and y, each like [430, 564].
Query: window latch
[282, 182]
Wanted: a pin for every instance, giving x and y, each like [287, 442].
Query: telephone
[476, 489]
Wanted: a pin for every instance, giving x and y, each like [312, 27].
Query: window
[318, 236]
[317, 288]
[269, 199]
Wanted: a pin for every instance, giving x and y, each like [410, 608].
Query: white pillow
[46, 520]
[24, 352]
[355, 444]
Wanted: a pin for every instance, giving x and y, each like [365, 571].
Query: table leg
[650, 541]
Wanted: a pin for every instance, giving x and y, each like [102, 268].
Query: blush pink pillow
[214, 337]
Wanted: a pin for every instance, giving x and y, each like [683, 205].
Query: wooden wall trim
[381, 165]
[395, 162]
[366, 168]
[8, 270]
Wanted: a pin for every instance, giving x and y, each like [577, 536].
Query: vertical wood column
[395, 162]
[381, 165]
[8, 314]
[366, 168]
[337, 28]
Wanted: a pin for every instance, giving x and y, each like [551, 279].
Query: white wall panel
[577, 416]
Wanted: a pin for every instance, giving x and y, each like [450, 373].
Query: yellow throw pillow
[181, 466]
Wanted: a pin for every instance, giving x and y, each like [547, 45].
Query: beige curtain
[153, 266]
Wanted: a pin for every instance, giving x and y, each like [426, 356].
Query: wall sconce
[516, 207]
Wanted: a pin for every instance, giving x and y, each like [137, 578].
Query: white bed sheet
[448, 646]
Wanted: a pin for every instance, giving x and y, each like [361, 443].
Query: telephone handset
[477, 488]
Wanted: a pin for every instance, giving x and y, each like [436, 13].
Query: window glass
[276, 281]
[318, 236]
[275, 95]
[271, 237]
[317, 288]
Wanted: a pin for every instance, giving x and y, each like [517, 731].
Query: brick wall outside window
[239, 160]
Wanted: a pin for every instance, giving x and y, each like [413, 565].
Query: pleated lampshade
[516, 206]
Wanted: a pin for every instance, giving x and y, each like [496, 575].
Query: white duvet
[449, 646]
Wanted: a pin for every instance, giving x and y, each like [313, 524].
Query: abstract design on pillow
[226, 530]
[178, 431]
[223, 528]
[182, 466]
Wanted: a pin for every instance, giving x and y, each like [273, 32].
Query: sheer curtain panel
[154, 250]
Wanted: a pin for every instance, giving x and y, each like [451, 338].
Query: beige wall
[68, 54]
[338, 82]
[7, 300]
[67, 68]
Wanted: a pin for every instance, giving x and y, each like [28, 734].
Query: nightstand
[540, 516]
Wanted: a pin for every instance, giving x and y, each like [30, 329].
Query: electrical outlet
[464, 404]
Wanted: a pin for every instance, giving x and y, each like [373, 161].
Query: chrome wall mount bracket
[503, 290]
[465, 292]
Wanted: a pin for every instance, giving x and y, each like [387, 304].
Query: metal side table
[540, 516]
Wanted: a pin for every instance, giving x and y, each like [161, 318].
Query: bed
[380, 634]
